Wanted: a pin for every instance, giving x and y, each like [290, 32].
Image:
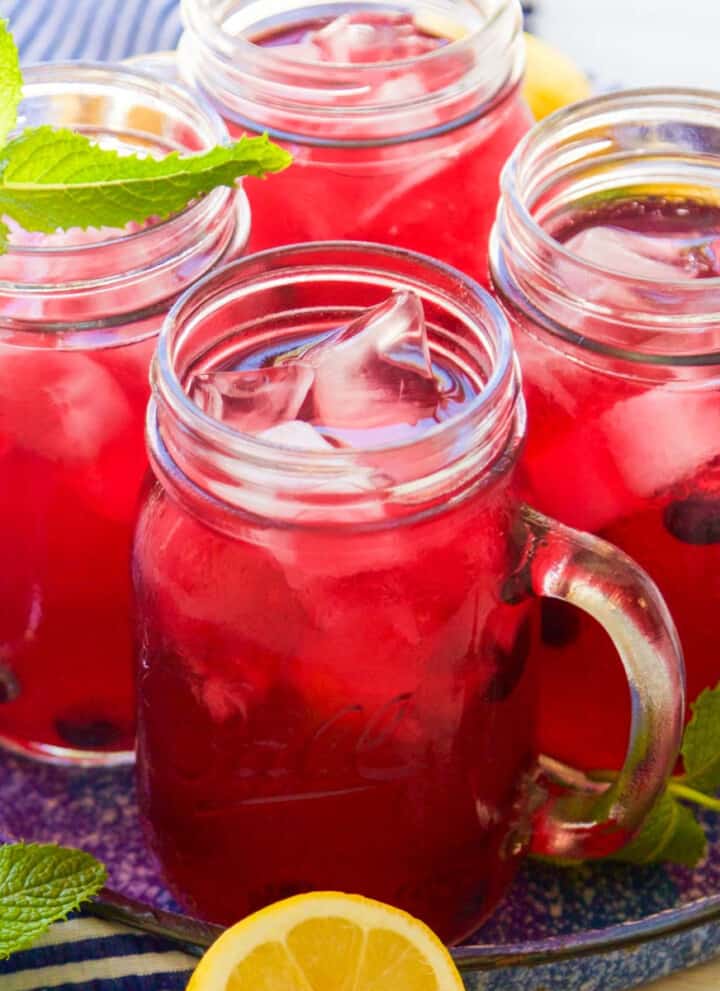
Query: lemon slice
[327, 941]
[552, 80]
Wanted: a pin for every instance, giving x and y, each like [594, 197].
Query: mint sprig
[39, 885]
[55, 179]
[52, 179]
[671, 833]
[701, 744]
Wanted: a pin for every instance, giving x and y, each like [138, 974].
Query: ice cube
[663, 436]
[296, 434]
[253, 400]
[303, 437]
[370, 37]
[61, 404]
[375, 373]
[648, 256]
[623, 449]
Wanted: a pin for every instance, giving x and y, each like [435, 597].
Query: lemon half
[552, 80]
[326, 941]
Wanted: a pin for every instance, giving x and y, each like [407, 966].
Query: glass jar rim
[197, 16]
[70, 73]
[582, 113]
[353, 104]
[246, 446]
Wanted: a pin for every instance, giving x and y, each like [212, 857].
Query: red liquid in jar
[436, 194]
[635, 461]
[341, 707]
[72, 460]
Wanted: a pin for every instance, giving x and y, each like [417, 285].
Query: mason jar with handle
[334, 574]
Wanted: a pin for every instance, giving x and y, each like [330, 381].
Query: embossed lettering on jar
[400, 117]
[607, 257]
[79, 316]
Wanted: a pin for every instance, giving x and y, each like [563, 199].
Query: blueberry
[695, 520]
[510, 665]
[9, 685]
[88, 732]
[559, 623]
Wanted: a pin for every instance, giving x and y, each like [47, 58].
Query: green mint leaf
[51, 179]
[10, 81]
[701, 743]
[40, 884]
[671, 834]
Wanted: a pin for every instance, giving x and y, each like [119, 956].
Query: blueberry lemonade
[83, 291]
[333, 575]
[399, 118]
[610, 269]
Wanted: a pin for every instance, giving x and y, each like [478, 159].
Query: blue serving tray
[603, 927]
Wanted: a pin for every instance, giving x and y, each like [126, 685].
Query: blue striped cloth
[85, 954]
[105, 30]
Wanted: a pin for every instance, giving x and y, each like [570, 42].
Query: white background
[637, 42]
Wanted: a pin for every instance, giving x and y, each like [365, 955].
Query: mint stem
[677, 788]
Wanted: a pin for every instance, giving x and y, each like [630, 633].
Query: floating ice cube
[370, 37]
[375, 373]
[255, 400]
[386, 37]
[648, 256]
[296, 434]
[302, 436]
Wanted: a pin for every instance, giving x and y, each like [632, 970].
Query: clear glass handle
[598, 578]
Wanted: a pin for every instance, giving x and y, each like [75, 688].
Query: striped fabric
[87, 954]
[105, 30]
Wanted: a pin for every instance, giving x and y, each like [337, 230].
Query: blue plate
[605, 927]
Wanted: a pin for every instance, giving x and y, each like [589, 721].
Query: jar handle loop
[595, 576]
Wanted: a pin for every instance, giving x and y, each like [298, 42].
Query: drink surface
[654, 237]
[633, 459]
[433, 188]
[368, 383]
[344, 706]
[364, 37]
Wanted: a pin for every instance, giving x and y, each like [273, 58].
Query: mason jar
[606, 256]
[333, 637]
[399, 117]
[79, 316]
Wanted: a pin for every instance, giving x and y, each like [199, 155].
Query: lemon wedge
[327, 941]
[552, 80]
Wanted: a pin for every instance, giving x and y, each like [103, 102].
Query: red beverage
[79, 314]
[333, 579]
[621, 378]
[399, 122]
